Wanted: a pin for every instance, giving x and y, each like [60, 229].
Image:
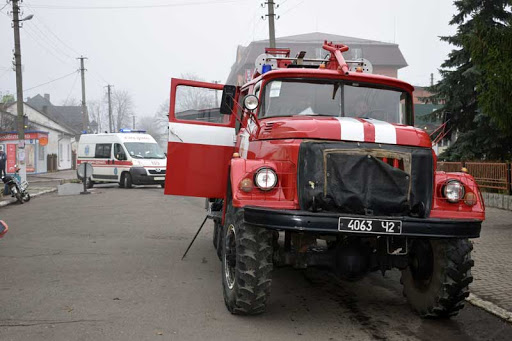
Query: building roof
[60, 123]
[377, 52]
[69, 116]
[315, 37]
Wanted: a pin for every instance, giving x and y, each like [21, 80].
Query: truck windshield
[142, 150]
[338, 99]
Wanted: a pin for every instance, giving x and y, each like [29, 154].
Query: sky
[139, 45]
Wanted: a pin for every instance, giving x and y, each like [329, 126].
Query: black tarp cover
[352, 178]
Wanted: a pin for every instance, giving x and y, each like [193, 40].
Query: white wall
[60, 139]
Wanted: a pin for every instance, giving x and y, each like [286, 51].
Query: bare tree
[71, 102]
[157, 125]
[122, 109]
[96, 113]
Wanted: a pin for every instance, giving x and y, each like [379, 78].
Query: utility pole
[133, 118]
[109, 108]
[85, 115]
[19, 88]
[431, 79]
[271, 28]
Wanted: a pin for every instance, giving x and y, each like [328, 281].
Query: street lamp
[19, 86]
[28, 17]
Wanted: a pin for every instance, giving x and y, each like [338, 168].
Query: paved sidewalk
[34, 192]
[45, 177]
[493, 254]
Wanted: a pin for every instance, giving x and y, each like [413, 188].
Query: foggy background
[138, 45]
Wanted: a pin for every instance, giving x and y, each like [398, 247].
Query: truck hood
[342, 128]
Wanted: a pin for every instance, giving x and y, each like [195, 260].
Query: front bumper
[141, 177]
[327, 223]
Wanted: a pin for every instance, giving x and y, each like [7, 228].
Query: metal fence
[488, 175]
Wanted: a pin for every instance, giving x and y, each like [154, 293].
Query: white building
[44, 137]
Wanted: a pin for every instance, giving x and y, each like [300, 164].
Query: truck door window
[199, 104]
[103, 151]
[119, 153]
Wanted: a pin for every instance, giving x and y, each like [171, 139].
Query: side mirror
[228, 100]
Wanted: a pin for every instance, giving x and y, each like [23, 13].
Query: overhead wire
[177, 4]
[37, 17]
[293, 7]
[72, 88]
[53, 80]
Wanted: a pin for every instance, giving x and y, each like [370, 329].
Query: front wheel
[437, 278]
[26, 197]
[127, 180]
[246, 265]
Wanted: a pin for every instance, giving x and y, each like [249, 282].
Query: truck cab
[316, 162]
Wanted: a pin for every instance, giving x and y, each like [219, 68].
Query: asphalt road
[107, 266]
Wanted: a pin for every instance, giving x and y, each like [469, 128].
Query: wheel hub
[421, 263]
[230, 256]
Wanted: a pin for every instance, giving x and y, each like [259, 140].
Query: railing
[450, 166]
[488, 175]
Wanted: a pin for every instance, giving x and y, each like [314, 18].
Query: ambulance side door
[201, 140]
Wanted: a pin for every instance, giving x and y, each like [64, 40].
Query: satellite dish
[265, 59]
[81, 170]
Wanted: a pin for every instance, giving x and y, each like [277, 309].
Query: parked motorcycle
[3, 228]
[17, 188]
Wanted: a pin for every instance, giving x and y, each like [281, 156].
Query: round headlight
[265, 179]
[251, 102]
[453, 191]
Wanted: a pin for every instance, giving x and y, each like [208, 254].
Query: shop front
[35, 142]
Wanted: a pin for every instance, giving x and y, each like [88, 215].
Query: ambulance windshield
[142, 150]
[334, 98]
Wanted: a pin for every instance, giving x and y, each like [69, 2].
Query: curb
[12, 201]
[490, 307]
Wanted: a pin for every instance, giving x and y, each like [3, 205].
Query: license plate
[378, 226]
[159, 177]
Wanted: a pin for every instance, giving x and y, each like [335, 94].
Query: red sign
[11, 157]
[43, 141]
[28, 136]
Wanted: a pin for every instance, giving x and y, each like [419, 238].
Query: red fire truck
[316, 163]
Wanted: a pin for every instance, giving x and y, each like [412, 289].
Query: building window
[40, 153]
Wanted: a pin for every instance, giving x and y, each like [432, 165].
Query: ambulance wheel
[126, 180]
[246, 265]
[437, 278]
[89, 183]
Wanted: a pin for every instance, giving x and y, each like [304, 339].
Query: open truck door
[201, 138]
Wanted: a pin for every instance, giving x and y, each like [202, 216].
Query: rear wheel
[246, 265]
[26, 197]
[437, 278]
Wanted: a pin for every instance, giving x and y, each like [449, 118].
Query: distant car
[130, 157]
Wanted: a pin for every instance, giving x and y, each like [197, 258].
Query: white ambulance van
[129, 157]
